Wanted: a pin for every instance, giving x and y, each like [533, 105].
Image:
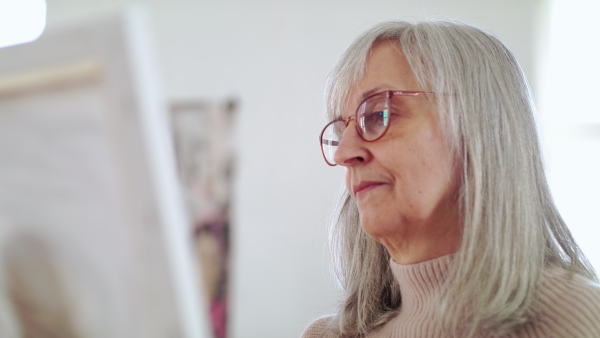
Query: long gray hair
[511, 227]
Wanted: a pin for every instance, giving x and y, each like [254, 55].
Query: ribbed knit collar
[421, 282]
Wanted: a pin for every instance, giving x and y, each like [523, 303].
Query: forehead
[386, 68]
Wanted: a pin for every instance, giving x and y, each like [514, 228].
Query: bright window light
[21, 21]
[570, 116]
[572, 62]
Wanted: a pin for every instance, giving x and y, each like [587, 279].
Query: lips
[364, 186]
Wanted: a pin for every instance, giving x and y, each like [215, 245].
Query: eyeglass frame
[390, 94]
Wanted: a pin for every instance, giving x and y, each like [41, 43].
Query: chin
[378, 229]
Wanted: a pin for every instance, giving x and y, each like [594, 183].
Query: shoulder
[570, 289]
[569, 304]
[320, 328]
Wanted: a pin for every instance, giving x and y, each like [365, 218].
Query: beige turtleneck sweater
[569, 306]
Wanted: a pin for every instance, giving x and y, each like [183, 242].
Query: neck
[415, 247]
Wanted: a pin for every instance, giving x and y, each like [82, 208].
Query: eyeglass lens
[372, 121]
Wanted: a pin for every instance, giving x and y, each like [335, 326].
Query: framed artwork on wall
[203, 135]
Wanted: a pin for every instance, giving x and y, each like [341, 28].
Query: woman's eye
[377, 118]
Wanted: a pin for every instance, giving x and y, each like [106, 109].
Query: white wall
[274, 57]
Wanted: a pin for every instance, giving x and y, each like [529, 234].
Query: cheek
[438, 172]
[428, 170]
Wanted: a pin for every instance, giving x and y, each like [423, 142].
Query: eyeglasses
[372, 120]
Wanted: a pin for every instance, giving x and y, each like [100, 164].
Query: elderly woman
[447, 227]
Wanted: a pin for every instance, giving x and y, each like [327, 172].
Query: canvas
[94, 237]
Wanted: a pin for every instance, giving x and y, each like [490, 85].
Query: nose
[352, 148]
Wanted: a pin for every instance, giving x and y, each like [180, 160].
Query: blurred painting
[203, 140]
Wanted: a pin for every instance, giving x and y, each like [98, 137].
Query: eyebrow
[366, 94]
[372, 91]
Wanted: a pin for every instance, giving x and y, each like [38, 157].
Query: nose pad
[350, 118]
